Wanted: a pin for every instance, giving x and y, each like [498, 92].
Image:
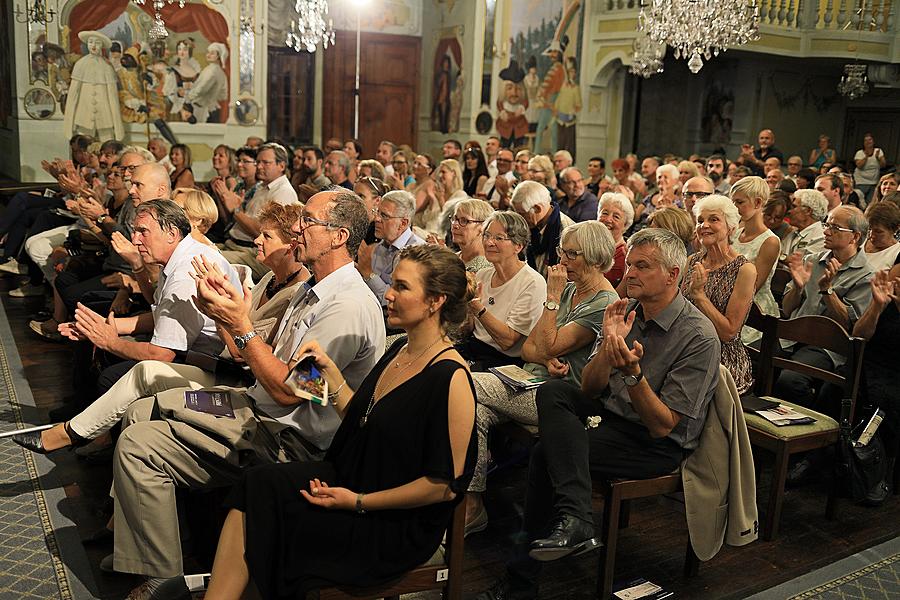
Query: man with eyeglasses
[694, 189]
[271, 172]
[153, 457]
[833, 283]
[794, 165]
[337, 169]
[579, 203]
[808, 209]
[498, 187]
[393, 220]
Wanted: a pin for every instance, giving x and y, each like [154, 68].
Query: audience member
[337, 169]
[271, 171]
[715, 170]
[491, 148]
[200, 210]
[624, 181]
[794, 166]
[887, 184]
[383, 154]
[475, 173]
[353, 150]
[668, 187]
[648, 172]
[159, 148]
[562, 159]
[466, 230]
[881, 247]
[540, 169]
[616, 212]
[694, 189]
[808, 209]
[831, 187]
[182, 175]
[451, 149]
[806, 179]
[425, 190]
[313, 167]
[332, 145]
[579, 204]
[557, 347]
[774, 177]
[520, 168]
[370, 189]
[402, 178]
[869, 162]
[532, 201]
[755, 158]
[508, 296]
[498, 188]
[448, 189]
[774, 211]
[822, 153]
[686, 170]
[370, 168]
[677, 221]
[851, 195]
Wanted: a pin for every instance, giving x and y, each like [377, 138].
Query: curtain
[92, 16]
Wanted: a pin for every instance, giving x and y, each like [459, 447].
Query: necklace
[383, 383]
[273, 288]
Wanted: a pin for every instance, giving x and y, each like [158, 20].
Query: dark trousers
[33, 220]
[568, 454]
[799, 388]
[22, 201]
[71, 288]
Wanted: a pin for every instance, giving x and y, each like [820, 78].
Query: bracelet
[481, 312]
[359, 507]
[332, 396]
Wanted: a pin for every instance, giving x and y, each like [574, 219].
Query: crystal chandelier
[647, 56]
[311, 26]
[158, 30]
[854, 83]
[36, 13]
[700, 29]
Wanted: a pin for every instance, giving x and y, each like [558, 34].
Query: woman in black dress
[379, 504]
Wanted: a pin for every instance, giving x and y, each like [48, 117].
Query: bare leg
[55, 438]
[229, 573]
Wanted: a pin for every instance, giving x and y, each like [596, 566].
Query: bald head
[149, 182]
[696, 188]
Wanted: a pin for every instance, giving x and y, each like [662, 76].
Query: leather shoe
[568, 535]
[101, 536]
[501, 590]
[31, 441]
[801, 473]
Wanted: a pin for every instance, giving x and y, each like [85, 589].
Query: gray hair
[530, 194]
[403, 201]
[857, 221]
[349, 211]
[569, 170]
[564, 154]
[815, 201]
[167, 214]
[723, 204]
[672, 170]
[595, 240]
[142, 152]
[281, 154]
[670, 248]
[622, 202]
[343, 160]
[513, 224]
[478, 210]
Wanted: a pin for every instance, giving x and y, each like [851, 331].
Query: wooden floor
[652, 547]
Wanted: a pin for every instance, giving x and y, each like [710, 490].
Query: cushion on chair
[822, 424]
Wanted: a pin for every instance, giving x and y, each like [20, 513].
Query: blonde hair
[674, 219]
[378, 171]
[199, 207]
[453, 165]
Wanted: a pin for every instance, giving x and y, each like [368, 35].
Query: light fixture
[699, 29]
[647, 57]
[158, 30]
[36, 12]
[313, 25]
[854, 83]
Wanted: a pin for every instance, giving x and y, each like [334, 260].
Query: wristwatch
[551, 305]
[632, 380]
[241, 340]
[101, 218]
[827, 292]
[359, 507]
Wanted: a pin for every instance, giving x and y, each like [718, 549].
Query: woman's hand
[323, 362]
[476, 304]
[556, 282]
[884, 289]
[332, 498]
[699, 277]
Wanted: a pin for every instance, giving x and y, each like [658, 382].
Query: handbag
[860, 471]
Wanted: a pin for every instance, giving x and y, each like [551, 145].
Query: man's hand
[128, 251]
[616, 320]
[71, 183]
[364, 259]
[121, 304]
[557, 368]
[90, 208]
[801, 271]
[623, 359]
[101, 332]
[69, 331]
[220, 301]
[114, 281]
[827, 277]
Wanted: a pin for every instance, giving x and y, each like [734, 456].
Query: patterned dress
[718, 288]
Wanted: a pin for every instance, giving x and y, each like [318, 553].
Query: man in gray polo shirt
[651, 377]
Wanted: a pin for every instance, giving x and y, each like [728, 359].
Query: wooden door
[882, 123]
[291, 90]
[389, 89]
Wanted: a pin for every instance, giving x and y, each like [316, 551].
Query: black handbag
[861, 471]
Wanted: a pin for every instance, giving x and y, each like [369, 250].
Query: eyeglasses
[570, 254]
[247, 161]
[306, 222]
[487, 237]
[835, 228]
[695, 195]
[462, 221]
[384, 216]
[129, 168]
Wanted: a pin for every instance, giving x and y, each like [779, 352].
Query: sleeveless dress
[763, 297]
[293, 546]
[718, 288]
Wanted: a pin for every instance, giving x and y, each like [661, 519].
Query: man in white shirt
[807, 211]
[337, 310]
[491, 148]
[271, 169]
[383, 154]
[160, 151]
[831, 186]
[498, 187]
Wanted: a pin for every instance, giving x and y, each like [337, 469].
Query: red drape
[443, 45]
[95, 14]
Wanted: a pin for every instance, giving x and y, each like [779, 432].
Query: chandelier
[647, 56]
[158, 30]
[699, 29]
[854, 83]
[37, 13]
[311, 26]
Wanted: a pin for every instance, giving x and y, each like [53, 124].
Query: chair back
[780, 278]
[762, 360]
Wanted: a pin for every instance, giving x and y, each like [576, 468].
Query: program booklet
[307, 382]
[211, 402]
[783, 415]
[640, 589]
[517, 377]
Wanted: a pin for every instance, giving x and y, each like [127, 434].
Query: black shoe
[101, 536]
[568, 535]
[802, 473]
[31, 441]
[501, 590]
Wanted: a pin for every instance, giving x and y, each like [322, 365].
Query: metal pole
[356, 87]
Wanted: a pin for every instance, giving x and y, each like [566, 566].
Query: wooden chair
[821, 332]
[440, 573]
[780, 278]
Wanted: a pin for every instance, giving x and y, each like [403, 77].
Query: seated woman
[668, 185]
[180, 157]
[887, 184]
[881, 246]
[269, 301]
[617, 213]
[757, 243]
[558, 346]
[370, 168]
[466, 229]
[509, 296]
[378, 505]
[720, 282]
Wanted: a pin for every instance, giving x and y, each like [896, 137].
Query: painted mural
[448, 84]
[184, 78]
[540, 97]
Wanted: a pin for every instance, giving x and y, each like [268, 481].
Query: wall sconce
[37, 12]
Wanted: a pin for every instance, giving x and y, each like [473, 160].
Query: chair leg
[691, 562]
[610, 536]
[776, 495]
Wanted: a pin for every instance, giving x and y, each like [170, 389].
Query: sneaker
[13, 267]
[27, 291]
[47, 330]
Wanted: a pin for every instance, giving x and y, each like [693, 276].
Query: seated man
[580, 204]
[808, 209]
[338, 311]
[393, 220]
[532, 201]
[651, 377]
[833, 283]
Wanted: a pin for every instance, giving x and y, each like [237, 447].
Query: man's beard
[715, 176]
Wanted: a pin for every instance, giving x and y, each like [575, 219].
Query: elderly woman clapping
[558, 346]
[616, 212]
[721, 282]
[668, 184]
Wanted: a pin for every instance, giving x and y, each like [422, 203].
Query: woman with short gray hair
[558, 347]
[617, 213]
[466, 228]
[509, 295]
